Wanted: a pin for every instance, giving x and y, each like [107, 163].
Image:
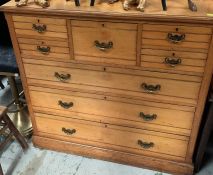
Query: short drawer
[104, 42]
[149, 87]
[176, 37]
[40, 27]
[141, 142]
[135, 115]
[179, 28]
[35, 48]
[173, 60]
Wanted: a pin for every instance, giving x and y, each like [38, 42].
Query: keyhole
[177, 29]
[104, 69]
[38, 21]
[103, 25]
[173, 54]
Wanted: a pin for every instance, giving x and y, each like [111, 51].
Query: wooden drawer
[135, 115]
[141, 142]
[44, 48]
[173, 60]
[176, 37]
[100, 42]
[127, 84]
[178, 28]
[40, 27]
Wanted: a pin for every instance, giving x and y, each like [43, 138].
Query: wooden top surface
[177, 10]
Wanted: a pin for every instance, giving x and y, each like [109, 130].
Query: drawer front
[44, 48]
[40, 27]
[100, 42]
[174, 37]
[178, 28]
[141, 143]
[173, 60]
[139, 114]
[129, 83]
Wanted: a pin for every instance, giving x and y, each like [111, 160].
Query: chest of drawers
[114, 85]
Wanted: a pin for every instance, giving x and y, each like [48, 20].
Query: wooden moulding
[152, 12]
[21, 66]
[201, 102]
[115, 156]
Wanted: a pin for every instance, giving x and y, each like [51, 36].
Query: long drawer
[135, 115]
[141, 142]
[148, 87]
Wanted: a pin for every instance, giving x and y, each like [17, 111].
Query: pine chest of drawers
[120, 86]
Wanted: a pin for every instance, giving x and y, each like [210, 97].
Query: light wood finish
[85, 33]
[117, 110]
[32, 50]
[41, 20]
[201, 102]
[183, 54]
[115, 69]
[185, 65]
[111, 155]
[104, 96]
[116, 81]
[21, 67]
[106, 86]
[35, 54]
[31, 32]
[50, 42]
[50, 27]
[104, 134]
[178, 28]
[203, 47]
[53, 49]
[188, 37]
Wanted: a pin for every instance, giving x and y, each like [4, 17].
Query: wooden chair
[6, 124]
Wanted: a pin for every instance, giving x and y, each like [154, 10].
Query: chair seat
[8, 60]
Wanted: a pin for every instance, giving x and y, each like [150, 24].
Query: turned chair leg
[15, 132]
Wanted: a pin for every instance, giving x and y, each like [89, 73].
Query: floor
[45, 162]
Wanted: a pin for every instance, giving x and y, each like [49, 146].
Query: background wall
[4, 33]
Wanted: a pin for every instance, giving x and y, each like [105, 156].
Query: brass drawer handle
[65, 105]
[40, 28]
[44, 50]
[172, 61]
[103, 46]
[68, 131]
[175, 38]
[148, 117]
[150, 88]
[62, 77]
[145, 145]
